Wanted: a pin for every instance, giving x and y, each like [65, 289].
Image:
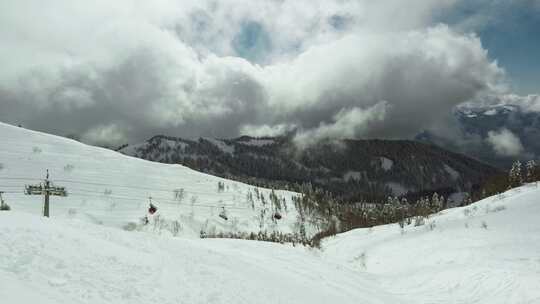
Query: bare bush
[175, 228]
[484, 225]
[495, 209]
[264, 236]
[362, 258]
[220, 187]
[179, 195]
[4, 207]
[72, 212]
[131, 226]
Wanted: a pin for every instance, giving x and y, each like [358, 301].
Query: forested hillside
[351, 170]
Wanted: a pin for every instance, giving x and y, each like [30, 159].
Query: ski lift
[223, 214]
[152, 209]
[277, 216]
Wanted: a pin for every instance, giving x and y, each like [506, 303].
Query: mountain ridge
[365, 169]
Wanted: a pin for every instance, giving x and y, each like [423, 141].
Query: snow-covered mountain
[352, 170]
[109, 188]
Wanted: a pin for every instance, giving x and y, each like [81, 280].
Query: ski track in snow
[488, 252]
[458, 261]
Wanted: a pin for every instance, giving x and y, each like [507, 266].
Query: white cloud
[266, 130]
[106, 135]
[347, 123]
[505, 143]
[175, 67]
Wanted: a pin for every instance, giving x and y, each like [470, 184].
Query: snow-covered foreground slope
[109, 188]
[488, 252]
[459, 260]
[69, 261]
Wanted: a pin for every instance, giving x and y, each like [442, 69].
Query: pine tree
[436, 202]
[515, 178]
[531, 171]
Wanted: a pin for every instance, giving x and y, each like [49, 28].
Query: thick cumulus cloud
[117, 71]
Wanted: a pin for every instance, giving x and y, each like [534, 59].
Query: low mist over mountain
[498, 132]
[352, 170]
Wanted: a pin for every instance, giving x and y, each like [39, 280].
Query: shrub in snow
[1, 166]
[69, 168]
[4, 207]
[249, 199]
[72, 212]
[159, 223]
[362, 259]
[179, 195]
[484, 225]
[496, 209]
[130, 226]
[220, 187]
[175, 228]
[419, 221]
[331, 230]
[36, 150]
[264, 236]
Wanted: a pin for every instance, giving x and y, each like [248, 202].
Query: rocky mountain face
[352, 170]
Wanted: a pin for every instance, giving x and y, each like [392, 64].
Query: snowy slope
[68, 261]
[488, 252]
[71, 261]
[109, 188]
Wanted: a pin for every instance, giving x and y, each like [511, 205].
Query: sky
[115, 72]
[509, 30]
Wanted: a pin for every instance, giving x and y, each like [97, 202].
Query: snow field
[106, 187]
[488, 252]
[70, 261]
